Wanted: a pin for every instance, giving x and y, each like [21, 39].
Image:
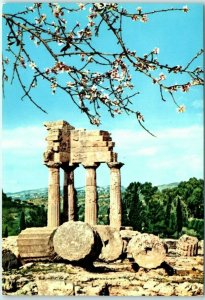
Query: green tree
[192, 191]
[5, 232]
[135, 207]
[22, 221]
[179, 215]
[147, 190]
[156, 215]
[36, 216]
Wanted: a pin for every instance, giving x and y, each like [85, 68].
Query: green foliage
[197, 225]
[5, 232]
[155, 215]
[36, 216]
[17, 215]
[164, 212]
[168, 212]
[179, 215]
[135, 205]
[22, 221]
[192, 191]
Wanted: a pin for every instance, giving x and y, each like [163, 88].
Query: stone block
[82, 143]
[98, 138]
[53, 137]
[36, 243]
[92, 150]
[112, 242]
[187, 245]
[64, 157]
[147, 250]
[56, 157]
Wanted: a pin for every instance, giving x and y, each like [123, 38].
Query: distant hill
[43, 193]
[29, 194]
[168, 186]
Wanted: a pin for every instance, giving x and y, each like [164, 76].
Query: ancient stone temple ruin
[68, 147]
[88, 245]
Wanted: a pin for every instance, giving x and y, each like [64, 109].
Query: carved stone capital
[116, 165]
[91, 165]
[69, 166]
[52, 164]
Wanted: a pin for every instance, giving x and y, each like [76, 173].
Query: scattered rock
[150, 284]
[171, 243]
[187, 289]
[11, 243]
[28, 289]
[201, 247]
[9, 284]
[36, 244]
[128, 234]
[164, 289]
[112, 243]
[9, 260]
[55, 287]
[147, 250]
[187, 245]
[100, 290]
[77, 241]
[10, 254]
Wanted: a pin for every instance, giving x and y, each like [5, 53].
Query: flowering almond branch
[90, 76]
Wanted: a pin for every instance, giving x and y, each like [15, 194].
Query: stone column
[54, 196]
[115, 194]
[91, 194]
[69, 193]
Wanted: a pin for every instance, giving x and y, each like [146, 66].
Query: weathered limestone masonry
[67, 148]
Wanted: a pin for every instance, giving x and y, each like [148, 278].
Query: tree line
[167, 213]
[170, 212]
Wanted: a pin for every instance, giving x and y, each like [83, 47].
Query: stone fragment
[187, 289]
[187, 245]
[150, 284]
[112, 243]
[9, 284]
[76, 242]
[36, 244]
[9, 260]
[57, 287]
[147, 250]
[171, 243]
[128, 234]
[29, 289]
[100, 290]
[201, 247]
[11, 243]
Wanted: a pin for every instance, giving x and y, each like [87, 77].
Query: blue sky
[177, 152]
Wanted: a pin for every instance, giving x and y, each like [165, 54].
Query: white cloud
[147, 151]
[24, 140]
[176, 153]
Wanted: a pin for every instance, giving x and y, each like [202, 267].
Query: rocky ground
[178, 275]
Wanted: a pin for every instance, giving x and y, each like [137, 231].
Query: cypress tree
[179, 215]
[5, 233]
[22, 221]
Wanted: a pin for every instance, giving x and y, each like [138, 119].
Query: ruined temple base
[113, 279]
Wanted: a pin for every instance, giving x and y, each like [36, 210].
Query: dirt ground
[180, 276]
